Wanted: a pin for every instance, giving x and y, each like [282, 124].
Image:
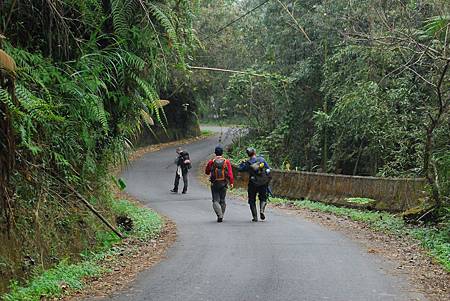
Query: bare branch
[439, 85]
[420, 76]
[446, 39]
[295, 20]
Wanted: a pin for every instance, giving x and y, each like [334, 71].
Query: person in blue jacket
[259, 178]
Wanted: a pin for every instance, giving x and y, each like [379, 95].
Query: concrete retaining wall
[390, 194]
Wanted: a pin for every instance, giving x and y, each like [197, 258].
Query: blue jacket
[244, 166]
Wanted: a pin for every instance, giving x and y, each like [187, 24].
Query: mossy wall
[390, 194]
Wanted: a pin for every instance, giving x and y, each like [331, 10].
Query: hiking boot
[254, 212]
[262, 209]
[220, 219]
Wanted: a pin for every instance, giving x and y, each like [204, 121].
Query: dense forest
[79, 82]
[337, 86]
[347, 87]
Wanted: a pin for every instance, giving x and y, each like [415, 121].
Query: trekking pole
[269, 191]
[170, 164]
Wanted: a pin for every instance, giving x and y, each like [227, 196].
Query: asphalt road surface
[282, 258]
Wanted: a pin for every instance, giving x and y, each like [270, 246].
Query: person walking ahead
[259, 178]
[220, 174]
[183, 163]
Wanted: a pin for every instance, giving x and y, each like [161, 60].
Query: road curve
[283, 258]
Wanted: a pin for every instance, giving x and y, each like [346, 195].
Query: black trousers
[219, 192]
[253, 191]
[184, 173]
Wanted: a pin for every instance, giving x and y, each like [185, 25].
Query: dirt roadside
[406, 254]
[135, 257]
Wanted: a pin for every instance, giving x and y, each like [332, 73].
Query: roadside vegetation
[79, 81]
[66, 276]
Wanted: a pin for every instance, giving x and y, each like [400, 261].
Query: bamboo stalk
[300, 28]
[94, 210]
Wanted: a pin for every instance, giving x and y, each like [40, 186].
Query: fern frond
[36, 107]
[101, 116]
[133, 61]
[120, 21]
[6, 99]
[437, 26]
[148, 120]
[166, 22]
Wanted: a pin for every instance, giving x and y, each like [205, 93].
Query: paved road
[283, 258]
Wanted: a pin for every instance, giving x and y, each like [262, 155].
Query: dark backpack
[219, 171]
[185, 160]
[258, 176]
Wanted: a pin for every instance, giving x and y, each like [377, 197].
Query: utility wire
[225, 70]
[235, 20]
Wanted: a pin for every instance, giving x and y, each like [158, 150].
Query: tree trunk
[7, 150]
[427, 171]
[443, 104]
[355, 169]
[325, 141]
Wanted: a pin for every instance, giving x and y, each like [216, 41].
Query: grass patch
[435, 239]
[147, 223]
[360, 201]
[207, 133]
[67, 277]
[56, 281]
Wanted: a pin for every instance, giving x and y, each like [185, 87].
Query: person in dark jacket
[259, 178]
[220, 174]
[183, 163]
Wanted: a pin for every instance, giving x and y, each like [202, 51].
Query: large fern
[167, 23]
[87, 82]
[119, 17]
[437, 26]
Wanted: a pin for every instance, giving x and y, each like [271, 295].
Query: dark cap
[218, 150]
[250, 151]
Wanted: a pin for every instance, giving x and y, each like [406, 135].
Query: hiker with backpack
[220, 174]
[183, 163]
[258, 183]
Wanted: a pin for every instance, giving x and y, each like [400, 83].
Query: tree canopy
[352, 87]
